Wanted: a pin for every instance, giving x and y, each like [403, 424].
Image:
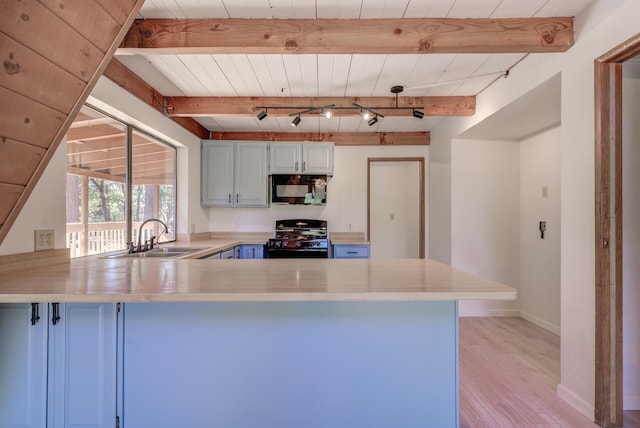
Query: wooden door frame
[421, 191]
[608, 232]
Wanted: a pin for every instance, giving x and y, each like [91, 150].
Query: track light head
[366, 114]
[295, 121]
[373, 121]
[326, 112]
[418, 114]
[262, 114]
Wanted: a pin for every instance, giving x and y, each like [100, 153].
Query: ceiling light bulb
[373, 121]
[295, 122]
[366, 114]
[327, 113]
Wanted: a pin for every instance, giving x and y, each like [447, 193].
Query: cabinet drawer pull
[35, 313]
[352, 252]
[55, 317]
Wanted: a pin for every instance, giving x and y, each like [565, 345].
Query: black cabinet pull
[35, 313]
[55, 316]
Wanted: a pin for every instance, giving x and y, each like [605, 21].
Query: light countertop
[94, 279]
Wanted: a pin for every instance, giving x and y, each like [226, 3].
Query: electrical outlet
[44, 239]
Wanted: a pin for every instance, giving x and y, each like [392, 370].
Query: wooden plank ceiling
[217, 60]
[53, 53]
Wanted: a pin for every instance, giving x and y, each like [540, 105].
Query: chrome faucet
[146, 246]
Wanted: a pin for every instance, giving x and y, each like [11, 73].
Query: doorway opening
[608, 232]
[396, 207]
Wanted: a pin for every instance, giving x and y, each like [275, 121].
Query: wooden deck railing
[98, 238]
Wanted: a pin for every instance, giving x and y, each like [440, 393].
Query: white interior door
[395, 209]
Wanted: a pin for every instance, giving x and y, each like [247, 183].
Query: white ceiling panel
[564, 8]
[363, 74]
[518, 8]
[240, 74]
[333, 71]
[182, 9]
[208, 74]
[473, 8]
[428, 8]
[338, 9]
[376, 9]
[292, 9]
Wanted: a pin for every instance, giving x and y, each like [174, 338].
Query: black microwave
[299, 189]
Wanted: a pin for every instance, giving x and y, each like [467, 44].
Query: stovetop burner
[299, 238]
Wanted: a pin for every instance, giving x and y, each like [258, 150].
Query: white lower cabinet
[59, 370]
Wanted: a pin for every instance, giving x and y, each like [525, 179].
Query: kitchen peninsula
[248, 343]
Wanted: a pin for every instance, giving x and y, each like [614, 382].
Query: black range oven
[299, 238]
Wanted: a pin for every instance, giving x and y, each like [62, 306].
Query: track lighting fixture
[370, 114]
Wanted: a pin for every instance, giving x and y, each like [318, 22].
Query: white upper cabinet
[234, 174]
[301, 158]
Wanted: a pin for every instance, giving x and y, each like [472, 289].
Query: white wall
[346, 196]
[631, 235]
[45, 208]
[605, 25]
[539, 291]
[485, 217]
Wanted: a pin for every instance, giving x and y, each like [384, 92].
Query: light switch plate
[44, 239]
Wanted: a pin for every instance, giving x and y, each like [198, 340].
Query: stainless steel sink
[158, 253]
[176, 250]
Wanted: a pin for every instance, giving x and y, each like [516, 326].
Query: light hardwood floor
[509, 369]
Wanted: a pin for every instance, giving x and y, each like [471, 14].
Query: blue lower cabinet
[251, 251]
[343, 251]
[82, 366]
[290, 365]
[58, 370]
[23, 365]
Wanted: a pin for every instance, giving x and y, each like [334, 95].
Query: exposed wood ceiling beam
[249, 106]
[125, 78]
[348, 36]
[339, 138]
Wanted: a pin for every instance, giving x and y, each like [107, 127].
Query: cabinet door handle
[237, 197]
[229, 198]
[304, 166]
[35, 313]
[296, 165]
[55, 313]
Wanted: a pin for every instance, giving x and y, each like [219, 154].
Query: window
[106, 206]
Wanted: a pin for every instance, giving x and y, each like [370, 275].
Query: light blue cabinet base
[290, 365]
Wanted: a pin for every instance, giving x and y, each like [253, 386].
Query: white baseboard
[631, 402]
[490, 313]
[540, 323]
[578, 403]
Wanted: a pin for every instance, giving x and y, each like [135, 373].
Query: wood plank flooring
[509, 369]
